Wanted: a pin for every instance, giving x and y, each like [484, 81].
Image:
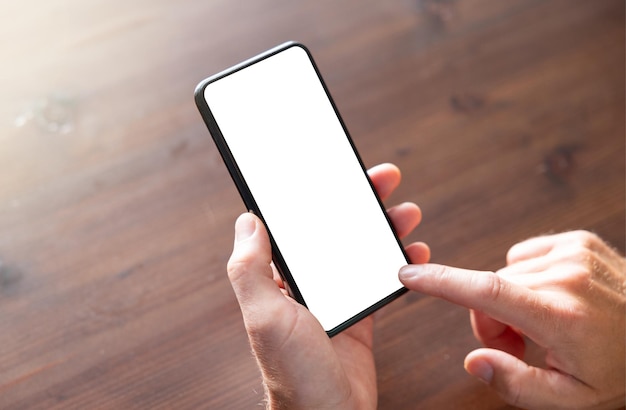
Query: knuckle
[580, 268]
[236, 268]
[512, 253]
[259, 326]
[586, 239]
[248, 259]
[567, 320]
[240, 262]
[490, 286]
[443, 279]
[270, 328]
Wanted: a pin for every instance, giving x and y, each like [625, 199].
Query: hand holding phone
[300, 365]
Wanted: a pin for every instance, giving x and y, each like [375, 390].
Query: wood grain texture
[116, 213]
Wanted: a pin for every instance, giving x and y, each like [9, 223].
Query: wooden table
[116, 213]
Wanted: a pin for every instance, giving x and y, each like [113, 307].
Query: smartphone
[296, 167]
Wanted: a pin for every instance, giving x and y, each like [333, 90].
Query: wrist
[283, 400]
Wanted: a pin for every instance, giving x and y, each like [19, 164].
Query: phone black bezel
[249, 200]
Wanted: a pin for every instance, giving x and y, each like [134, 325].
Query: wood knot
[467, 103]
[440, 11]
[559, 164]
[10, 276]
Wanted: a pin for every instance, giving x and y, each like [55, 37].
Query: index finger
[484, 291]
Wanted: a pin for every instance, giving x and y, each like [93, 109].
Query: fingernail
[410, 271]
[244, 227]
[482, 370]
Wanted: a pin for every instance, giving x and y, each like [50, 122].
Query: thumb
[522, 385]
[249, 267]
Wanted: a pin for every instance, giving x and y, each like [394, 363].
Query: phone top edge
[199, 90]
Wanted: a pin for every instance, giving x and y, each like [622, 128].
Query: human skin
[302, 368]
[564, 292]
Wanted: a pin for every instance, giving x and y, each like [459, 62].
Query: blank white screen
[308, 184]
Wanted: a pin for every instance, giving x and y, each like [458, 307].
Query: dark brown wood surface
[116, 212]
